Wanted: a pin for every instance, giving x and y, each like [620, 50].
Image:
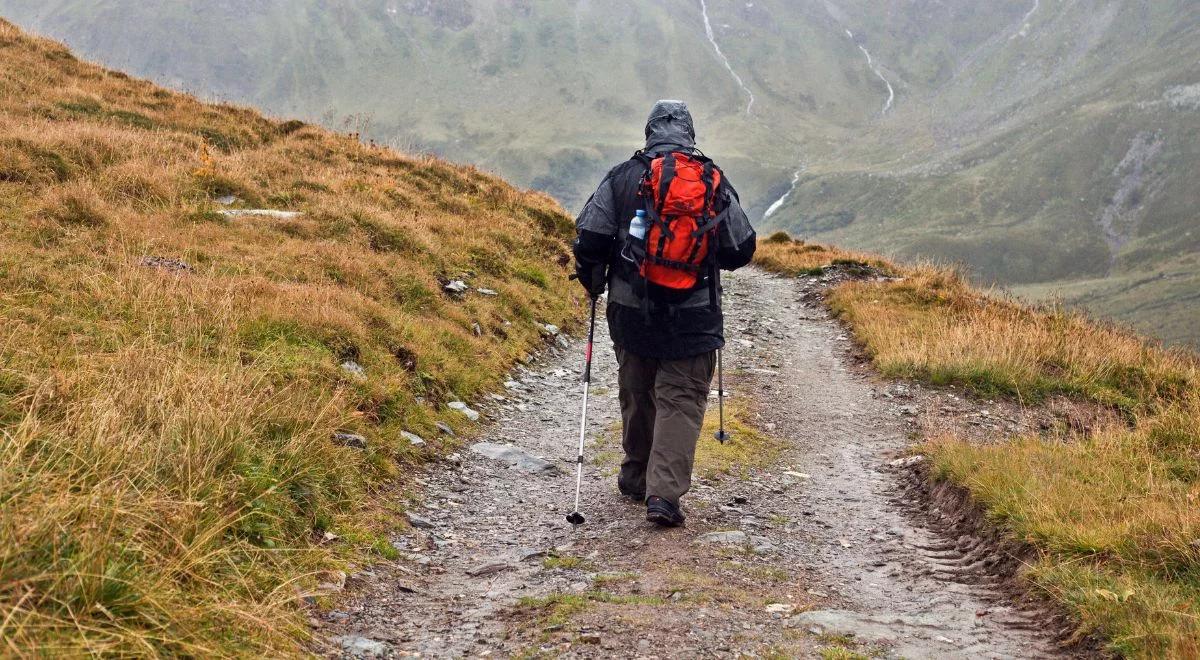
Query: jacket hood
[670, 124]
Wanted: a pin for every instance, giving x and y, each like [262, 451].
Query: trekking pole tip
[575, 518]
[721, 436]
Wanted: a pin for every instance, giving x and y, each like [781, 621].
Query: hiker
[664, 313]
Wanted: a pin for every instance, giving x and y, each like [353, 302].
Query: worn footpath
[823, 551]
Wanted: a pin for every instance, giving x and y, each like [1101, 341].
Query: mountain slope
[195, 404]
[550, 93]
[1060, 150]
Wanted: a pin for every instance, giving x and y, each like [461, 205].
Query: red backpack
[679, 190]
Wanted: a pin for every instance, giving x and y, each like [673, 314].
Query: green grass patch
[565, 563]
[1118, 523]
[747, 449]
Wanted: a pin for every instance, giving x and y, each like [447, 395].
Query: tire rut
[832, 551]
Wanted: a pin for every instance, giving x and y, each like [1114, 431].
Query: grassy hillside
[1112, 513]
[172, 379]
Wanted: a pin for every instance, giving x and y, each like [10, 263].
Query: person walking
[656, 233]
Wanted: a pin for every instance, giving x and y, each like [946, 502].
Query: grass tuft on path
[1115, 514]
[748, 448]
[170, 379]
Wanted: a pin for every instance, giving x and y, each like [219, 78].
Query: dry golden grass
[780, 253]
[1117, 514]
[166, 462]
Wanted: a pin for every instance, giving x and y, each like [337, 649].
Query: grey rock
[513, 456]
[724, 538]
[762, 545]
[420, 522]
[445, 428]
[360, 646]
[350, 440]
[490, 568]
[413, 439]
[166, 263]
[261, 213]
[456, 287]
[227, 200]
[548, 329]
[354, 369]
[907, 461]
[463, 408]
[487, 292]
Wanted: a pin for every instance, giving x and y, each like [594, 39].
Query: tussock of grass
[1117, 514]
[933, 325]
[564, 563]
[557, 609]
[747, 449]
[782, 254]
[166, 462]
[1119, 521]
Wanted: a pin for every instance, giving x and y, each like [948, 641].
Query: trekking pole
[721, 436]
[575, 517]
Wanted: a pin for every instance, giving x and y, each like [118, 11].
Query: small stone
[844, 543]
[476, 330]
[445, 428]
[261, 213]
[780, 608]
[513, 456]
[589, 638]
[909, 411]
[548, 329]
[418, 521]
[797, 475]
[166, 263]
[487, 292]
[463, 408]
[456, 287]
[329, 581]
[725, 538]
[761, 545]
[228, 200]
[354, 369]
[353, 440]
[361, 646]
[512, 385]
[413, 439]
[908, 461]
[490, 569]
[329, 537]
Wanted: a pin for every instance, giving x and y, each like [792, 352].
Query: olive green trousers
[662, 410]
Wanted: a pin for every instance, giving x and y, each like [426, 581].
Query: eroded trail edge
[817, 550]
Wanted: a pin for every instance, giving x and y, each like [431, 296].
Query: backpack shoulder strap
[665, 179]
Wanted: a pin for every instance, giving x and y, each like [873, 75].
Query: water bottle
[637, 226]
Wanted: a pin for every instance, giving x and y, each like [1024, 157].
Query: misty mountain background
[1048, 144]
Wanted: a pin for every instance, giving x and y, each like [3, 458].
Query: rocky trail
[826, 549]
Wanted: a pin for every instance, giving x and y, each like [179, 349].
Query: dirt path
[825, 554]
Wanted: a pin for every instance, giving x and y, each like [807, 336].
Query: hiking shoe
[662, 512]
[636, 496]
